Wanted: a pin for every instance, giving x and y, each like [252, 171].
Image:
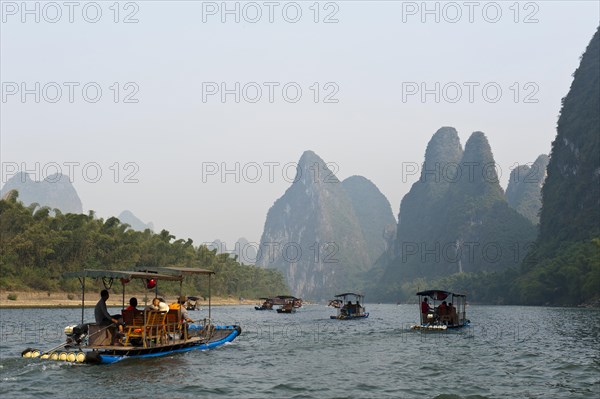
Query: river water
[507, 352]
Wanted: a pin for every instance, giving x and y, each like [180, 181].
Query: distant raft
[346, 310]
[441, 310]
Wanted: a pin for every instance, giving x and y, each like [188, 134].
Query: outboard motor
[76, 334]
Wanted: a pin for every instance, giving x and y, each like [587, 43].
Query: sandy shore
[36, 299]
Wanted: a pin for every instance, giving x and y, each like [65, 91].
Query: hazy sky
[179, 55]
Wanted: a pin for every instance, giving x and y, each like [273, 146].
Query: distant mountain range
[244, 250]
[524, 191]
[328, 236]
[454, 219]
[134, 222]
[55, 192]
[323, 233]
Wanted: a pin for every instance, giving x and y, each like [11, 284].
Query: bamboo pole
[82, 281]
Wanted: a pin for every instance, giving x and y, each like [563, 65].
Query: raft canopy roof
[122, 274]
[438, 294]
[348, 294]
[173, 270]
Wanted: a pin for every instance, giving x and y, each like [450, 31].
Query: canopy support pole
[180, 304]
[209, 297]
[145, 295]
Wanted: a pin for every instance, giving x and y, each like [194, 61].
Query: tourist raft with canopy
[266, 304]
[349, 310]
[286, 303]
[441, 310]
[192, 303]
[146, 333]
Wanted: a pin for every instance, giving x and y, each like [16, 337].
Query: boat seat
[133, 317]
[153, 328]
[134, 323]
[173, 323]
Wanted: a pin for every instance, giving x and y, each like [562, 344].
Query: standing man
[425, 310]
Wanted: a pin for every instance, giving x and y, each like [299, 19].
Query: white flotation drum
[31, 353]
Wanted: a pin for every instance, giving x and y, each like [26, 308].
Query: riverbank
[37, 299]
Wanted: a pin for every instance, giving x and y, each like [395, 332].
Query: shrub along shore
[42, 299]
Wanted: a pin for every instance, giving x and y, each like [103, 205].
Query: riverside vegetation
[36, 248]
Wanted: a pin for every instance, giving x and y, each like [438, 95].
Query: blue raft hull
[226, 334]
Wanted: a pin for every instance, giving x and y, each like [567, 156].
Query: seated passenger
[133, 302]
[175, 305]
[452, 314]
[162, 305]
[184, 313]
[154, 305]
[442, 310]
[103, 318]
[130, 311]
